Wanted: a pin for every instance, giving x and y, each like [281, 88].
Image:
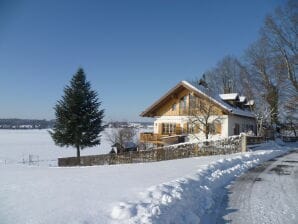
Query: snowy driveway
[268, 193]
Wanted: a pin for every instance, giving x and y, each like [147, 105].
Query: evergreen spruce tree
[78, 116]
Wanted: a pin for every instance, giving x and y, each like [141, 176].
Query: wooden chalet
[175, 109]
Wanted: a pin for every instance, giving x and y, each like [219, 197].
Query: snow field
[17, 145]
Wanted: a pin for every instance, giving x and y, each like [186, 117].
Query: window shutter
[159, 128]
[185, 128]
[218, 128]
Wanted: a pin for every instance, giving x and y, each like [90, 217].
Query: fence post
[243, 142]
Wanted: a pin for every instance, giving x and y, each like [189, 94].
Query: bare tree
[266, 74]
[281, 30]
[224, 77]
[119, 136]
[203, 115]
[291, 114]
[263, 116]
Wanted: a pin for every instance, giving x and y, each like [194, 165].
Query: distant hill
[25, 124]
[45, 124]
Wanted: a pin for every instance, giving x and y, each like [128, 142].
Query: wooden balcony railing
[150, 137]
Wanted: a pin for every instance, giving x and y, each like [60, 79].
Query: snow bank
[186, 200]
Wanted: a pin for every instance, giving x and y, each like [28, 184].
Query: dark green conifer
[79, 119]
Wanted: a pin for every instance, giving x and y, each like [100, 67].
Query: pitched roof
[215, 99]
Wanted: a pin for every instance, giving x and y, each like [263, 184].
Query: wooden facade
[183, 102]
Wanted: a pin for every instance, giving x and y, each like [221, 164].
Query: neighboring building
[177, 110]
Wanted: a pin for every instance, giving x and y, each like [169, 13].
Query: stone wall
[180, 151]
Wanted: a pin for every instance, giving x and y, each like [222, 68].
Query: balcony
[158, 139]
[151, 137]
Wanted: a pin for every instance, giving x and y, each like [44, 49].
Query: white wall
[242, 121]
[228, 123]
[225, 126]
[185, 119]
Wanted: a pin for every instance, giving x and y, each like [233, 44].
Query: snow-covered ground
[17, 145]
[177, 191]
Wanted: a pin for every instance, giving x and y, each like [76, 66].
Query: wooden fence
[159, 154]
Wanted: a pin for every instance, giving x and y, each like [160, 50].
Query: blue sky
[131, 51]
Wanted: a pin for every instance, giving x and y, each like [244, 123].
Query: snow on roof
[217, 99]
[250, 103]
[229, 96]
[242, 99]
[206, 95]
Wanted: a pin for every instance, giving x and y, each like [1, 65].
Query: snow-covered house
[175, 113]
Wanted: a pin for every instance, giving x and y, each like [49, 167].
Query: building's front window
[168, 128]
[174, 107]
[182, 104]
[193, 103]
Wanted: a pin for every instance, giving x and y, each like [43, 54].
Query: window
[168, 128]
[236, 129]
[174, 107]
[211, 127]
[217, 127]
[251, 128]
[183, 103]
[192, 100]
[243, 129]
[193, 103]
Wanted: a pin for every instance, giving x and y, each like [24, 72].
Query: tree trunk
[207, 131]
[78, 155]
